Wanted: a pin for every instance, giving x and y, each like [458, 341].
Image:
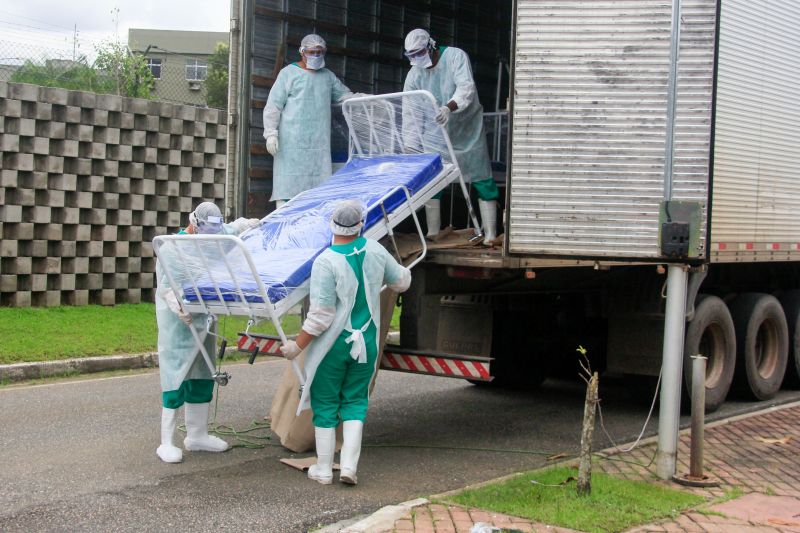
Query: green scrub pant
[340, 389]
[486, 189]
[190, 391]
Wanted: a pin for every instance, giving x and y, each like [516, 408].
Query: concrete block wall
[87, 181]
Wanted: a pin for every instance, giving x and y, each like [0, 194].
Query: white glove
[175, 306]
[290, 350]
[443, 115]
[240, 225]
[272, 144]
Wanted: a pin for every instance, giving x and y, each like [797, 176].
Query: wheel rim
[766, 349]
[712, 345]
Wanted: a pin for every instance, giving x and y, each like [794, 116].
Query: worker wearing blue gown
[297, 121]
[446, 73]
[340, 336]
[185, 377]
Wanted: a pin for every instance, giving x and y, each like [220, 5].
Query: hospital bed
[399, 158]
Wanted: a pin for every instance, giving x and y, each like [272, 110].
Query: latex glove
[175, 306]
[240, 225]
[443, 115]
[272, 144]
[290, 350]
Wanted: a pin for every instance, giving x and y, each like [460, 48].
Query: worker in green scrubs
[185, 377]
[340, 336]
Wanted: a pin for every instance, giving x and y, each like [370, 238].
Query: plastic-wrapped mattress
[287, 241]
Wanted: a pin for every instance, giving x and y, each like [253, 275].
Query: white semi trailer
[606, 182]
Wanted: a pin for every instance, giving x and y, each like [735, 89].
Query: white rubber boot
[351, 450]
[322, 472]
[433, 217]
[197, 437]
[168, 452]
[488, 220]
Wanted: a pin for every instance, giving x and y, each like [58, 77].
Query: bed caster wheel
[222, 378]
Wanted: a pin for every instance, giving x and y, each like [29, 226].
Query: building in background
[178, 61]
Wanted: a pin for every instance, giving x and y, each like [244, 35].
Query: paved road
[81, 455]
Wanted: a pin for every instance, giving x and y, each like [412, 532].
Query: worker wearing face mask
[297, 121]
[186, 380]
[340, 337]
[445, 72]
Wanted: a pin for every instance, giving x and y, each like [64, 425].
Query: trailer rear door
[589, 115]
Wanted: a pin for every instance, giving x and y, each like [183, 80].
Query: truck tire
[791, 307]
[711, 333]
[762, 344]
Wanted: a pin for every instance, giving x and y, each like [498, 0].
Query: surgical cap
[206, 218]
[418, 39]
[348, 217]
[310, 41]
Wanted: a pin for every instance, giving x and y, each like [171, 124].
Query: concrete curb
[84, 365]
[381, 520]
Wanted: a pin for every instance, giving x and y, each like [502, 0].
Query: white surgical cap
[348, 217]
[418, 39]
[310, 41]
[206, 216]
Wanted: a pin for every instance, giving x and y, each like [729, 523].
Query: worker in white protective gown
[297, 121]
[445, 71]
[185, 376]
[340, 336]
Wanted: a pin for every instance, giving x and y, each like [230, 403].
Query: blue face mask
[315, 62]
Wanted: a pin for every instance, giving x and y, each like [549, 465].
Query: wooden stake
[589, 410]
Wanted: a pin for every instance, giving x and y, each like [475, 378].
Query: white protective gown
[451, 79]
[379, 268]
[179, 359]
[299, 111]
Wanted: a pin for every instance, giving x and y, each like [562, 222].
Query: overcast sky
[32, 26]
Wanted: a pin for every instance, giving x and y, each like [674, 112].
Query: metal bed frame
[217, 250]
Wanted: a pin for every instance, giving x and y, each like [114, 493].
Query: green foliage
[115, 71]
[614, 504]
[128, 72]
[217, 78]
[74, 75]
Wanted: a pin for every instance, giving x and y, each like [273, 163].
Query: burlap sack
[297, 432]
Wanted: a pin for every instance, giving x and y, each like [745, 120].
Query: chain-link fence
[139, 70]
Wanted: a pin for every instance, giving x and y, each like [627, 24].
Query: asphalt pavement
[80, 455]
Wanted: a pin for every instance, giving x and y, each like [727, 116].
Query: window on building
[155, 67]
[196, 69]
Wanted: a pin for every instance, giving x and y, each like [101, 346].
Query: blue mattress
[286, 243]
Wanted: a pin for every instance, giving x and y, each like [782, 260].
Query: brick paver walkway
[757, 455]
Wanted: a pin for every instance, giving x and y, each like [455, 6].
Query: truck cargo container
[597, 204]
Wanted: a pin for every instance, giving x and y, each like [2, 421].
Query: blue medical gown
[451, 79]
[304, 99]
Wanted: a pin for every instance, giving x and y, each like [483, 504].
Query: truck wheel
[791, 307]
[762, 344]
[711, 334]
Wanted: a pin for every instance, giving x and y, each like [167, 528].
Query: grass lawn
[614, 504]
[47, 334]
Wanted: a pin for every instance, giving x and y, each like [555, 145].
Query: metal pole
[672, 91]
[672, 366]
[698, 415]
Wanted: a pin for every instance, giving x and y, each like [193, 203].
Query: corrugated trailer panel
[589, 123]
[756, 195]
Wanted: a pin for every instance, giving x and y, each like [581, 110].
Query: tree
[115, 71]
[217, 78]
[128, 72]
